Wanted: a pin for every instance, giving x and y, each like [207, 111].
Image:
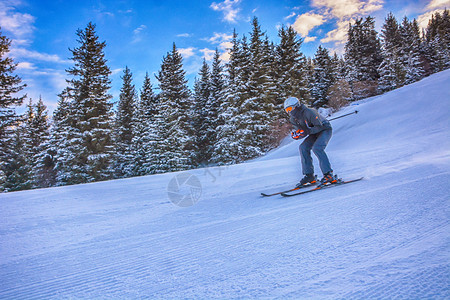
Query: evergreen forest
[233, 113]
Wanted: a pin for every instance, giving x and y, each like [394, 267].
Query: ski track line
[175, 255]
[81, 281]
[389, 257]
[77, 279]
[158, 235]
[231, 219]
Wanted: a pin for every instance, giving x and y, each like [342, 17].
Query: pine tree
[257, 112]
[437, 41]
[392, 71]
[65, 142]
[309, 71]
[225, 148]
[125, 118]
[10, 86]
[36, 143]
[202, 123]
[175, 103]
[17, 169]
[338, 67]
[217, 98]
[248, 129]
[291, 68]
[88, 150]
[410, 51]
[146, 138]
[363, 57]
[323, 77]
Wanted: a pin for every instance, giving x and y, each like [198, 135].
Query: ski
[288, 191]
[320, 187]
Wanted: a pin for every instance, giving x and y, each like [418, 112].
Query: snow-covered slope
[386, 236]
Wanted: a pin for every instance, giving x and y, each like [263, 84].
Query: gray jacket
[309, 120]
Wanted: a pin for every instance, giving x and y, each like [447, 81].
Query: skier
[308, 122]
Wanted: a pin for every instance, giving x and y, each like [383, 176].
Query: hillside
[386, 236]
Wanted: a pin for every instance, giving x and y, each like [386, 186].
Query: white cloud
[340, 11]
[184, 35]
[24, 53]
[309, 39]
[45, 83]
[139, 29]
[229, 9]
[187, 52]
[438, 4]
[18, 24]
[348, 8]
[338, 35]
[290, 16]
[225, 57]
[208, 54]
[25, 66]
[116, 71]
[306, 22]
[424, 18]
[20, 42]
[218, 38]
[435, 6]
[137, 33]
[226, 45]
[221, 39]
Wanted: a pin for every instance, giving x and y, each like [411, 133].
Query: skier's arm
[294, 123]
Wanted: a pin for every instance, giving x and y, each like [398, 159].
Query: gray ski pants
[317, 143]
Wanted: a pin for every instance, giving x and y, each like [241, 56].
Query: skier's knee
[318, 149]
[305, 147]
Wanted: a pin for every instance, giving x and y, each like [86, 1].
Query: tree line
[232, 114]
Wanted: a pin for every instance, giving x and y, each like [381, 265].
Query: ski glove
[298, 134]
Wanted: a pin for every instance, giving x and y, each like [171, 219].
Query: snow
[387, 236]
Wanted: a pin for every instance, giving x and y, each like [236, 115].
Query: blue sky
[139, 33]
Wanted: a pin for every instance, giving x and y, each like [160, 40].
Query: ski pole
[355, 112]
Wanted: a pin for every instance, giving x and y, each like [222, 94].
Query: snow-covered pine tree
[291, 68]
[10, 86]
[243, 72]
[363, 57]
[17, 169]
[217, 85]
[410, 51]
[175, 104]
[391, 70]
[437, 41]
[125, 117]
[146, 155]
[338, 67]
[322, 77]
[89, 146]
[225, 147]
[256, 111]
[216, 105]
[309, 70]
[339, 93]
[36, 144]
[65, 141]
[202, 123]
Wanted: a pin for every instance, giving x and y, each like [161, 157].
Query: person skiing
[309, 124]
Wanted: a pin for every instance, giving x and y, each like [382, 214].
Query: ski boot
[328, 178]
[308, 179]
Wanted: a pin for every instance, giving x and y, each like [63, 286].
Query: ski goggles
[289, 109]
